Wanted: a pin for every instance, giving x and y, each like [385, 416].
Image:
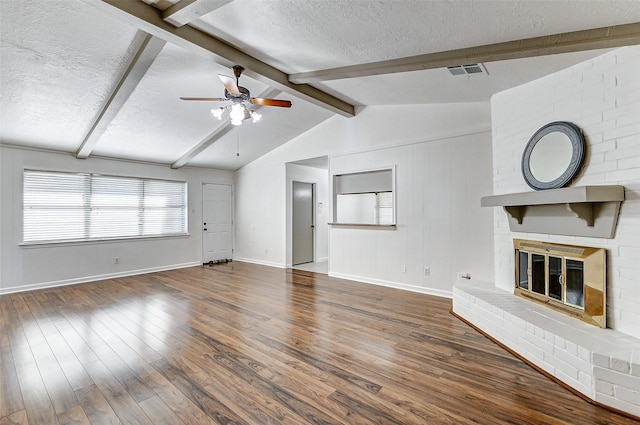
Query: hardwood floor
[244, 344]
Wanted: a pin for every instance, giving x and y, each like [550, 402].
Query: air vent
[471, 69]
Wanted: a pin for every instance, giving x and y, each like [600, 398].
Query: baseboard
[260, 262]
[86, 279]
[396, 285]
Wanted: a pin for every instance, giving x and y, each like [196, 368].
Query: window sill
[387, 226]
[46, 244]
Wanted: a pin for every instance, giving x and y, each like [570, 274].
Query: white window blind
[62, 207]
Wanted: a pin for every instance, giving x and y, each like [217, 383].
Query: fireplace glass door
[574, 287]
[555, 277]
[566, 278]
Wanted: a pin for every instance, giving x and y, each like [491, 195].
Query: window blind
[62, 207]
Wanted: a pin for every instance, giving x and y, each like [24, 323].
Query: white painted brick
[600, 360]
[617, 177]
[621, 379]
[568, 369]
[625, 394]
[586, 381]
[584, 354]
[532, 351]
[571, 381]
[604, 387]
[616, 403]
[629, 163]
[619, 132]
[620, 365]
[628, 98]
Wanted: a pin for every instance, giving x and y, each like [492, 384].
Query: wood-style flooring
[245, 344]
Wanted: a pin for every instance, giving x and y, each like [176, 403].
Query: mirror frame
[574, 134]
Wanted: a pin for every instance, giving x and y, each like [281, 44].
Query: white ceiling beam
[186, 11]
[216, 134]
[149, 19]
[147, 49]
[599, 38]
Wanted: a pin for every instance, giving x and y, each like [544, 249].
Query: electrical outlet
[403, 268]
[116, 260]
[427, 271]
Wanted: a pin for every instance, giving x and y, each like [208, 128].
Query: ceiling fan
[239, 95]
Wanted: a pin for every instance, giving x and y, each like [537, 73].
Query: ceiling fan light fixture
[237, 113]
[256, 116]
[217, 113]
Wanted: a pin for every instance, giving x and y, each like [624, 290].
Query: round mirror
[553, 156]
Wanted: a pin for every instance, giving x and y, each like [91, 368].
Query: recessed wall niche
[365, 198]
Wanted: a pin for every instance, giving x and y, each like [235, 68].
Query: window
[63, 207]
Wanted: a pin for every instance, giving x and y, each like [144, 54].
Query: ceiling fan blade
[270, 102]
[208, 99]
[229, 84]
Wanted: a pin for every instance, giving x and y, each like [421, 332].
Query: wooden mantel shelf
[576, 211]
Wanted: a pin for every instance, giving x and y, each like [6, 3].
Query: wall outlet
[403, 268]
[116, 260]
[427, 271]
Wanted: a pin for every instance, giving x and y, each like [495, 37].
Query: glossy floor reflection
[244, 344]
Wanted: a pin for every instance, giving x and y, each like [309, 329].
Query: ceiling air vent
[471, 69]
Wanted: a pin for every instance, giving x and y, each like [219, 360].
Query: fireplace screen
[567, 278]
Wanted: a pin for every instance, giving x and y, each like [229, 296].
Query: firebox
[567, 278]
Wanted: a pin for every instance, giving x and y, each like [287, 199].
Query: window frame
[364, 187]
[87, 209]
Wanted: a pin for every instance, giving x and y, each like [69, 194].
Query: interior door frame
[201, 219]
[314, 200]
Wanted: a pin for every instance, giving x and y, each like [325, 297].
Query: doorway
[303, 222]
[217, 223]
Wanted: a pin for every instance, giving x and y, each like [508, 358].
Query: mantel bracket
[515, 211]
[584, 211]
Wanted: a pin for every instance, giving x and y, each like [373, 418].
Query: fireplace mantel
[575, 211]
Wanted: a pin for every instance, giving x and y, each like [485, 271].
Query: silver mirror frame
[577, 155]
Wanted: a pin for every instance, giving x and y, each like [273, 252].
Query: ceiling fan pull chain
[238, 142]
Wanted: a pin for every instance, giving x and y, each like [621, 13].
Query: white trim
[395, 285]
[95, 278]
[260, 262]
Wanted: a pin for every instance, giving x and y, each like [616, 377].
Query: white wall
[30, 267]
[440, 224]
[442, 149]
[601, 96]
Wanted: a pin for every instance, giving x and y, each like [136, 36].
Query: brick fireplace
[602, 97]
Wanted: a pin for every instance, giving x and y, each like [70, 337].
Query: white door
[303, 224]
[217, 241]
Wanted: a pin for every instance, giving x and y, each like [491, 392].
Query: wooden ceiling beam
[147, 49]
[599, 38]
[186, 11]
[150, 19]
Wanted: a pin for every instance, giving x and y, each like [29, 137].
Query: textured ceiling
[61, 62]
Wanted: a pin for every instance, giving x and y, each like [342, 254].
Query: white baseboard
[396, 285]
[260, 262]
[85, 279]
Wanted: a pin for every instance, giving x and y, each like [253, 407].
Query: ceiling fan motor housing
[244, 94]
